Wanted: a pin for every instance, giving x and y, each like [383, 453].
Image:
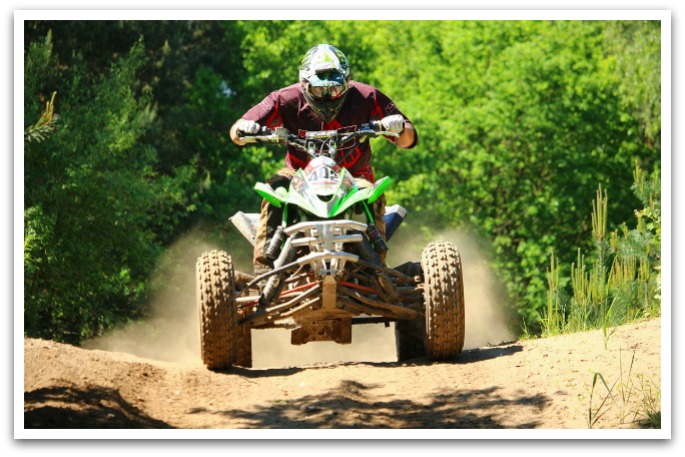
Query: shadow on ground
[466, 357]
[351, 407]
[93, 408]
[478, 355]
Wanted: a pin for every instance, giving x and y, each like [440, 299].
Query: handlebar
[301, 140]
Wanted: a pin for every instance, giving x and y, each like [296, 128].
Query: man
[325, 98]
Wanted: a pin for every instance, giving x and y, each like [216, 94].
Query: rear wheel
[444, 301]
[409, 336]
[223, 343]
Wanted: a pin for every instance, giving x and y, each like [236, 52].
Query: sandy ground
[532, 384]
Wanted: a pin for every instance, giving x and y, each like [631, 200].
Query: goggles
[326, 92]
[327, 85]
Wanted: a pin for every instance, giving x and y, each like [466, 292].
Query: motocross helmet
[324, 76]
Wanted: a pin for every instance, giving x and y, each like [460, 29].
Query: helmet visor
[327, 85]
[326, 92]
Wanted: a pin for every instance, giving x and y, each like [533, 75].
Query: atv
[327, 274]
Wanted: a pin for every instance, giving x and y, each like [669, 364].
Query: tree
[91, 199]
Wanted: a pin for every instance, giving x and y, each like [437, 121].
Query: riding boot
[378, 210]
[270, 218]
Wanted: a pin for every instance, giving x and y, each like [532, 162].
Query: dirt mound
[532, 384]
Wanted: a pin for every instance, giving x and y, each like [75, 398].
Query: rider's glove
[248, 127]
[393, 123]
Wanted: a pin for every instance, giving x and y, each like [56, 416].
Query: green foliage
[622, 280]
[636, 48]
[518, 121]
[91, 201]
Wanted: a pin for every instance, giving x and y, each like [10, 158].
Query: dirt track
[534, 384]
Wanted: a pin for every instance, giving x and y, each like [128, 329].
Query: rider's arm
[264, 113]
[408, 138]
[396, 123]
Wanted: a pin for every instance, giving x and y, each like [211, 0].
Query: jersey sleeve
[266, 113]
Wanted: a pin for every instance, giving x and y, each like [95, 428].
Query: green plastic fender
[370, 194]
[280, 195]
[274, 197]
[380, 187]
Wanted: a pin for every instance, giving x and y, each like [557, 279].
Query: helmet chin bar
[325, 109]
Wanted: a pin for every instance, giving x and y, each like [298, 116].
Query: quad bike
[327, 274]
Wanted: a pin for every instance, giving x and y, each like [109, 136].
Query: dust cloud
[171, 333]
[271, 348]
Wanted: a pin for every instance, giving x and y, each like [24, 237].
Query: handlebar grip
[265, 135]
[377, 126]
[263, 130]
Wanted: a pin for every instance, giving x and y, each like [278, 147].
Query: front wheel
[443, 300]
[223, 343]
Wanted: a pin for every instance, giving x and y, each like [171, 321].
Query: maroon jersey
[288, 108]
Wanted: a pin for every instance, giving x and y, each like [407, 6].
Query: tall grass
[633, 398]
[620, 281]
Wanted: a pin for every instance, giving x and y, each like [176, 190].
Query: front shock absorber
[379, 244]
[377, 240]
[274, 249]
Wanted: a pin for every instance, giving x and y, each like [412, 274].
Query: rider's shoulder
[364, 89]
[285, 95]
[290, 92]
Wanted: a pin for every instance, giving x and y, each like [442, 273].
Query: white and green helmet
[324, 75]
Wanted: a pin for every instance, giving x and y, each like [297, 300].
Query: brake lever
[376, 126]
